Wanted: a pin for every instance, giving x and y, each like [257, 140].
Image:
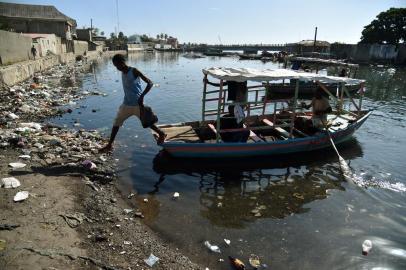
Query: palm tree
[166, 36]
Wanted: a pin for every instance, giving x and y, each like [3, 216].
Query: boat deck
[261, 129]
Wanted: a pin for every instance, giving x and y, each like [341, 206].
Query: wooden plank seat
[282, 132]
[253, 136]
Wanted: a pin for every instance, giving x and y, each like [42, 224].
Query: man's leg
[161, 134]
[113, 134]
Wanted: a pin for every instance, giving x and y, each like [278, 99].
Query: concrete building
[38, 19]
[173, 42]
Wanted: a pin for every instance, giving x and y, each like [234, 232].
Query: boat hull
[295, 145]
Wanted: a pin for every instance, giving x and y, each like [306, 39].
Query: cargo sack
[147, 117]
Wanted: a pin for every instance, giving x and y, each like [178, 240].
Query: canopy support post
[204, 97]
[361, 94]
[292, 124]
[219, 111]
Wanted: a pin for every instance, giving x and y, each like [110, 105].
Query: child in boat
[321, 107]
[234, 120]
[133, 99]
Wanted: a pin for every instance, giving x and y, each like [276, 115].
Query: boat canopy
[329, 62]
[250, 74]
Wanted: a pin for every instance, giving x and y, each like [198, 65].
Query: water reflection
[242, 191]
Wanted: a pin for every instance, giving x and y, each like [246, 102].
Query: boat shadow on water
[236, 191]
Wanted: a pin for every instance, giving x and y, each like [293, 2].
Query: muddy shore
[74, 216]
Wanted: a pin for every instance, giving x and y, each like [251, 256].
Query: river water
[310, 218]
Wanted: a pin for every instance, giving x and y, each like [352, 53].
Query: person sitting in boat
[234, 120]
[237, 91]
[343, 73]
[321, 107]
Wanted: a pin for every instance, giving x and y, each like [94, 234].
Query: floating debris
[213, 248]
[236, 263]
[176, 195]
[228, 242]
[366, 247]
[254, 261]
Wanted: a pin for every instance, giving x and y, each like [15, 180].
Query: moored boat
[279, 126]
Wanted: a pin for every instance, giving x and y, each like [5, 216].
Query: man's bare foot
[160, 139]
[107, 148]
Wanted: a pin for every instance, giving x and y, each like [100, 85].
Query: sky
[228, 21]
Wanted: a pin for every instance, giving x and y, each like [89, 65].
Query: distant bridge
[243, 47]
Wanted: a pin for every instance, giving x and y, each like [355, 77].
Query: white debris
[127, 211]
[366, 247]
[25, 157]
[17, 165]
[31, 125]
[21, 196]
[10, 182]
[176, 195]
[152, 259]
[227, 241]
[145, 200]
[213, 248]
[13, 116]
[128, 243]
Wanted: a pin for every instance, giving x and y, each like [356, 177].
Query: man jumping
[133, 99]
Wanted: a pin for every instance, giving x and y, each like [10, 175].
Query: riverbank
[74, 216]
[18, 72]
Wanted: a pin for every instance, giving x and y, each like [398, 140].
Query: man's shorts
[124, 112]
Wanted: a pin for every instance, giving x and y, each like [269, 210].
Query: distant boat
[214, 52]
[192, 55]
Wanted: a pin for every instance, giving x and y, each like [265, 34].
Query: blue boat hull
[295, 145]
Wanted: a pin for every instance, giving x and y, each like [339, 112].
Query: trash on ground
[145, 200]
[366, 247]
[254, 261]
[176, 195]
[236, 263]
[10, 182]
[127, 211]
[89, 164]
[213, 248]
[128, 243]
[138, 214]
[8, 227]
[21, 196]
[17, 165]
[25, 157]
[75, 219]
[228, 242]
[152, 259]
[2, 244]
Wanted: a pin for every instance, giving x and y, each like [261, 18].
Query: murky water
[294, 212]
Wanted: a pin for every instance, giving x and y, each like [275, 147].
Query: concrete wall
[366, 53]
[14, 47]
[18, 72]
[51, 43]
[80, 47]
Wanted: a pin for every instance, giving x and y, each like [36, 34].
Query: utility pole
[91, 24]
[118, 20]
[315, 38]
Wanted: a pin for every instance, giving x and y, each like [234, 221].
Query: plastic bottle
[238, 265]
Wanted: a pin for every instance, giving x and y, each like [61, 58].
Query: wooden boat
[282, 131]
[214, 52]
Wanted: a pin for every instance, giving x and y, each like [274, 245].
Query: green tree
[166, 36]
[389, 27]
[102, 33]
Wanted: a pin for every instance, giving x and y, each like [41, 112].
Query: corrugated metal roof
[13, 10]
